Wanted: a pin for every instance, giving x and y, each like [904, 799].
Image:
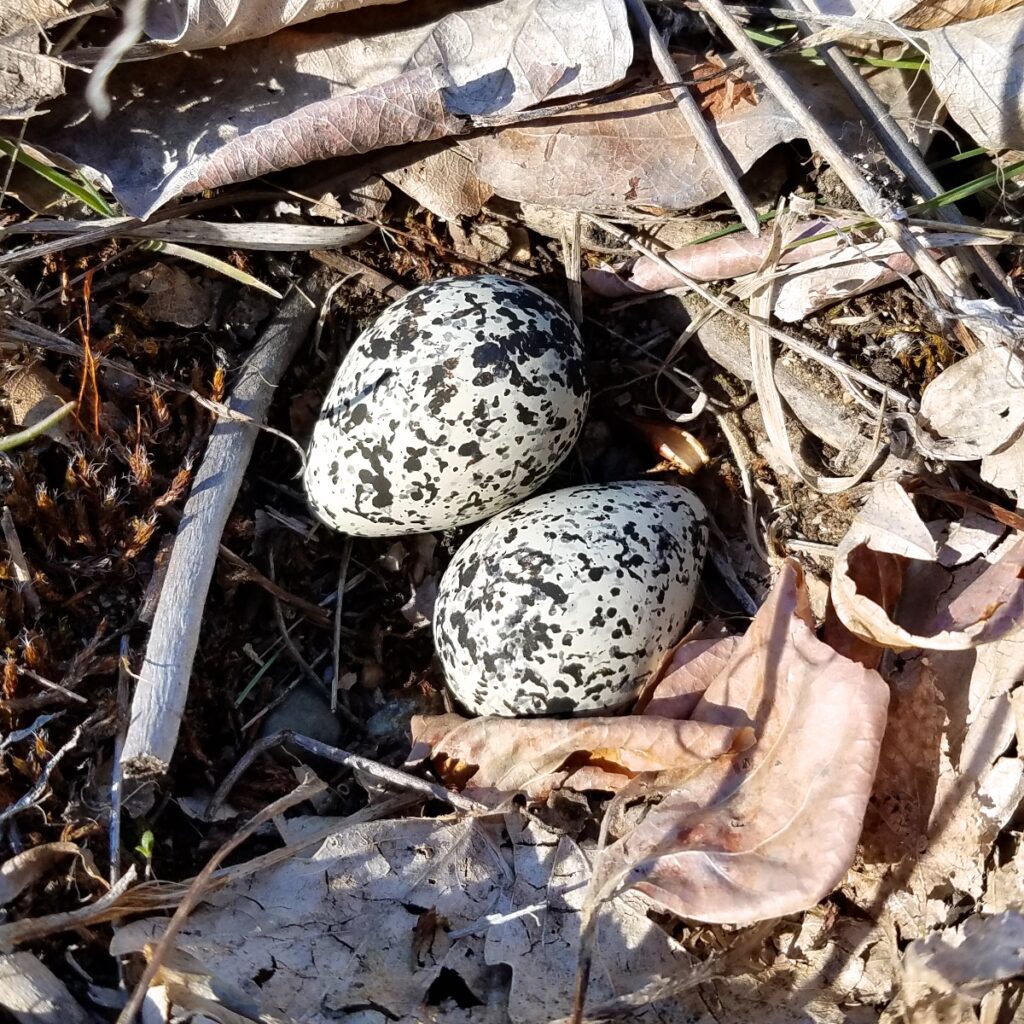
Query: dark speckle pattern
[458, 402]
[567, 602]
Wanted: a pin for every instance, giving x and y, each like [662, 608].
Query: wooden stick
[163, 683]
[689, 108]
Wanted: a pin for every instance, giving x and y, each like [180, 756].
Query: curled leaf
[980, 603]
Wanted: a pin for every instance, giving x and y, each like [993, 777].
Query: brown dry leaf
[375, 80]
[27, 74]
[926, 14]
[26, 868]
[492, 759]
[946, 975]
[980, 603]
[634, 151]
[772, 830]
[944, 788]
[693, 667]
[32, 393]
[176, 297]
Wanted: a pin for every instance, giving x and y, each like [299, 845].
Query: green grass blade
[11, 441]
[83, 192]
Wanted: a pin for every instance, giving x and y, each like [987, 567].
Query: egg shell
[459, 401]
[569, 601]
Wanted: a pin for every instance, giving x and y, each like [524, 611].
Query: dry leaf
[772, 830]
[176, 297]
[28, 75]
[26, 868]
[32, 393]
[694, 665]
[975, 407]
[721, 259]
[635, 151]
[495, 758]
[375, 915]
[196, 24]
[306, 96]
[32, 994]
[977, 68]
[925, 14]
[944, 788]
[951, 971]
[979, 604]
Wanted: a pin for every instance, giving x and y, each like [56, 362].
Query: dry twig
[694, 119]
[163, 684]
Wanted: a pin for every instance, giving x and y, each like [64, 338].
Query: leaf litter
[796, 823]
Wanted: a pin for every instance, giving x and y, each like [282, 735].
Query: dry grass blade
[230, 235]
[791, 341]
[773, 412]
[888, 216]
[309, 788]
[905, 155]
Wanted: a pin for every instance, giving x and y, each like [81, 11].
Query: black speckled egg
[458, 402]
[568, 602]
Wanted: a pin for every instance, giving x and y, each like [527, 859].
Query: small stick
[694, 119]
[346, 558]
[888, 215]
[36, 792]
[167, 666]
[22, 573]
[49, 684]
[296, 655]
[392, 776]
[251, 574]
[308, 788]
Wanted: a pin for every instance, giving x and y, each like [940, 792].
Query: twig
[789, 340]
[904, 154]
[36, 792]
[296, 655]
[888, 215]
[391, 776]
[117, 780]
[573, 270]
[49, 684]
[163, 683]
[308, 788]
[339, 604]
[32, 994]
[22, 573]
[134, 14]
[694, 119]
[251, 574]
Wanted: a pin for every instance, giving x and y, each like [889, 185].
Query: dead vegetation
[791, 238]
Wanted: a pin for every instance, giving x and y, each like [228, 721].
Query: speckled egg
[458, 402]
[568, 602]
